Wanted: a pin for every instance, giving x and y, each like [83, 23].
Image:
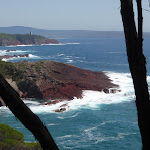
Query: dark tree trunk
[137, 65]
[26, 116]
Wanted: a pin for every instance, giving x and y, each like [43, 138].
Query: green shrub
[13, 139]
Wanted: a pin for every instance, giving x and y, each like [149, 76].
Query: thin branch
[146, 9]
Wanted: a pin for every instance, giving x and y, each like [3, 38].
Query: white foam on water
[72, 116]
[69, 61]
[125, 83]
[19, 57]
[46, 109]
[25, 45]
[6, 52]
[91, 99]
[116, 52]
[33, 56]
[4, 111]
[18, 51]
[3, 52]
[53, 44]
[52, 124]
[11, 46]
[60, 55]
[94, 134]
[72, 43]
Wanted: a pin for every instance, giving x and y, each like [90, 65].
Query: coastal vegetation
[13, 139]
[8, 70]
[24, 39]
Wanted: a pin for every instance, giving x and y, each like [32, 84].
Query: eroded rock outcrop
[56, 81]
[13, 56]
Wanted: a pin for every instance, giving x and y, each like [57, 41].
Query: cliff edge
[51, 80]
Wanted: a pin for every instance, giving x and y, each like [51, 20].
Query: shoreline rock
[13, 56]
[55, 81]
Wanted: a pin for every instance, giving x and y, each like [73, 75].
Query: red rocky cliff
[51, 80]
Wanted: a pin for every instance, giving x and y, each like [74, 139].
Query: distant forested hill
[24, 39]
[56, 34]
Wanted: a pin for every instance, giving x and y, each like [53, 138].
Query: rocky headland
[53, 81]
[24, 39]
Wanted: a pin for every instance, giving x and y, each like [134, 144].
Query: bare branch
[146, 9]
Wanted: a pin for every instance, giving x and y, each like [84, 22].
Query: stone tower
[30, 33]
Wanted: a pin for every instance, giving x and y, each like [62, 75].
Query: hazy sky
[101, 15]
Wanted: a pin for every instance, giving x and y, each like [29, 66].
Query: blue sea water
[98, 121]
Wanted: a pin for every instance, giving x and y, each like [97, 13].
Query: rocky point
[54, 81]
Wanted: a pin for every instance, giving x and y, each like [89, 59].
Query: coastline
[55, 82]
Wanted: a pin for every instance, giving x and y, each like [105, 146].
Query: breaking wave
[92, 99]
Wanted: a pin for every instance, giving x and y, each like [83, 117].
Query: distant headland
[24, 39]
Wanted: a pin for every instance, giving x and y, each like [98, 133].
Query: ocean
[98, 121]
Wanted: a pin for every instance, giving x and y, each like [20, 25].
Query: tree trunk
[137, 65]
[26, 116]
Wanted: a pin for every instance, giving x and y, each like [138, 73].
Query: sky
[97, 15]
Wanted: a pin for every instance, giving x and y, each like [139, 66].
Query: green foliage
[10, 133]
[13, 139]
[9, 137]
[33, 146]
[20, 71]
[7, 36]
[8, 39]
[8, 70]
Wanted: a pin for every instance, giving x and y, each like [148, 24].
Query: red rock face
[66, 91]
[58, 81]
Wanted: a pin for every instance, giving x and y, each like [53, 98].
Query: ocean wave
[112, 138]
[91, 99]
[60, 55]
[116, 52]
[52, 124]
[18, 51]
[33, 56]
[21, 57]
[12, 51]
[53, 44]
[19, 45]
[11, 46]
[24, 45]
[72, 116]
[5, 111]
[72, 43]
[69, 61]
[2, 52]
[46, 109]
[94, 134]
